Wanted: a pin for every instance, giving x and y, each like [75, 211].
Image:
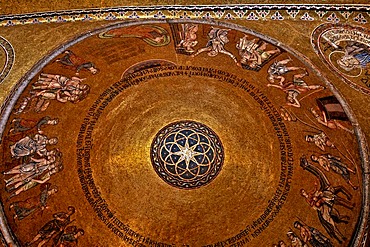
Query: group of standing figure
[33, 161]
[61, 88]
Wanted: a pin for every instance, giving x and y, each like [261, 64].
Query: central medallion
[187, 154]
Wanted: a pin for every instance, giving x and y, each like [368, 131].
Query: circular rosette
[187, 154]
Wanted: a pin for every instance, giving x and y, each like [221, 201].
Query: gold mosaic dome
[185, 132]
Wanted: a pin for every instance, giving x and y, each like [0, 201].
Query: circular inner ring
[187, 154]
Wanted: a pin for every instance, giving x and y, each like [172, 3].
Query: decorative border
[359, 237]
[10, 58]
[358, 14]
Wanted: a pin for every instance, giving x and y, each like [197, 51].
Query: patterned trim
[9, 56]
[6, 234]
[329, 13]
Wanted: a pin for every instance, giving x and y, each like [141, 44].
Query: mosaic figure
[278, 69]
[188, 36]
[312, 236]
[324, 199]
[253, 53]
[316, 197]
[295, 88]
[53, 229]
[330, 112]
[34, 182]
[72, 61]
[58, 82]
[20, 125]
[328, 215]
[331, 124]
[321, 140]
[329, 162]
[23, 209]
[54, 87]
[70, 237]
[151, 34]
[295, 241]
[344, 50]
[25, 172]
[32, 145]
[217, 39]
[356, 55]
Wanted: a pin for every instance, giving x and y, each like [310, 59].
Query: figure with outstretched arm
[324, 200]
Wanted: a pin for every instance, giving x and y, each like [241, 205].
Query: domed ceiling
[239, 125]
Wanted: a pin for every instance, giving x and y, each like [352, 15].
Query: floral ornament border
[357, 14]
